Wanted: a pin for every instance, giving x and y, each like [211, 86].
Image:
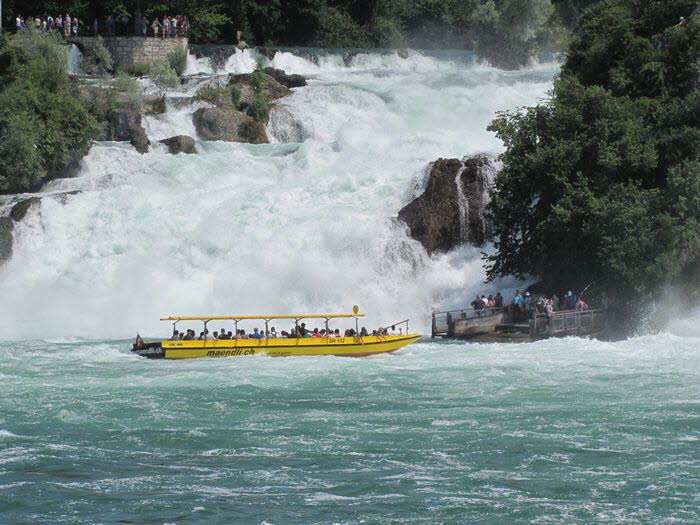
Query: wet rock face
[452, 209]
[271, 88]
[126, 125]
[228, 125]
[7, 225]
[19, 210]
[290, 81]
[17, 213]
[180, 144]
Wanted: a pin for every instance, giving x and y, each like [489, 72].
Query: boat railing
[568, 322]
[443, 322]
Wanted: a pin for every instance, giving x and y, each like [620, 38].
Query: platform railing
[443, 322]
[568, 322]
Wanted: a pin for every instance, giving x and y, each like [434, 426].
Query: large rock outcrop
[452, 209]
[228, 125]
[271, 88]
[179, 144]
[17, 214]
[230, 120]
[125, 125]
[7, 225]
[290, 81]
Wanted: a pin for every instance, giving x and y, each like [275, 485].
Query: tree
[602, 182]
[43, 126]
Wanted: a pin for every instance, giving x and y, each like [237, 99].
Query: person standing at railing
[517, 306]
[498, 300]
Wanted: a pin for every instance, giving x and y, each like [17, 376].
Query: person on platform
[110, 25]
[498, 300]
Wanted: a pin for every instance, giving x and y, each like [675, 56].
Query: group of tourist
[62, 25]
[525, 305]
[165, 26]
[298, 332]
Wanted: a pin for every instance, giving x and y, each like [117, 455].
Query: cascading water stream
[463, 204]
[301, 224]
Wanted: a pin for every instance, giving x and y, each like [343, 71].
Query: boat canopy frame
[266, 318]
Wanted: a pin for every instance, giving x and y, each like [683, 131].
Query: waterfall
[303, 224]
[75, 59]
[463, 204]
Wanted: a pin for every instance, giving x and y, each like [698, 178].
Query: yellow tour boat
[346, 346]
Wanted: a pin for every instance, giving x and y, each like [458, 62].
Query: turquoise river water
[560, 431]
[563, 431]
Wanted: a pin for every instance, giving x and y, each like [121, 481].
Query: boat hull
[339, 346]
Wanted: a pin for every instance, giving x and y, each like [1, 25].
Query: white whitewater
[463, 204]
[305, 224]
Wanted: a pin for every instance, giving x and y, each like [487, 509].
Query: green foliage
[43, 126]
[387, 32]
[259, 108]
[219, 96]
[163, 76]
[128, 89]
[602, 182]
[235, 94]
[178, 60]
[206, 22]
[504, 32]
[137, 70]
[338, 29]
[257, 81]
[98, 60]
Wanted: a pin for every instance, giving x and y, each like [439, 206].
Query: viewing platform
[498, 324]
[130, 50]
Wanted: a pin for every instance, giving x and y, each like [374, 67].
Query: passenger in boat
[256, 334]
[317, 333]
[337, 332]
[215, 335]
[363, 332]
[229, 335]
[392, 330]
[273, 333]
[176, 335]
[201, 336]
[302, 330]
[244, 335]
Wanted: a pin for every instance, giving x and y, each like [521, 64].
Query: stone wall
[128, 50]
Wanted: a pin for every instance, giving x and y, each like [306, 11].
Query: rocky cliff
[452, 209]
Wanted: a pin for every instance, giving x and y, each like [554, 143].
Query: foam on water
[280, 227]
[561, 430]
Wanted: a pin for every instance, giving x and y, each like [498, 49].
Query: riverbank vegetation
[505, 32]
[44, 127]
[601, 183]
